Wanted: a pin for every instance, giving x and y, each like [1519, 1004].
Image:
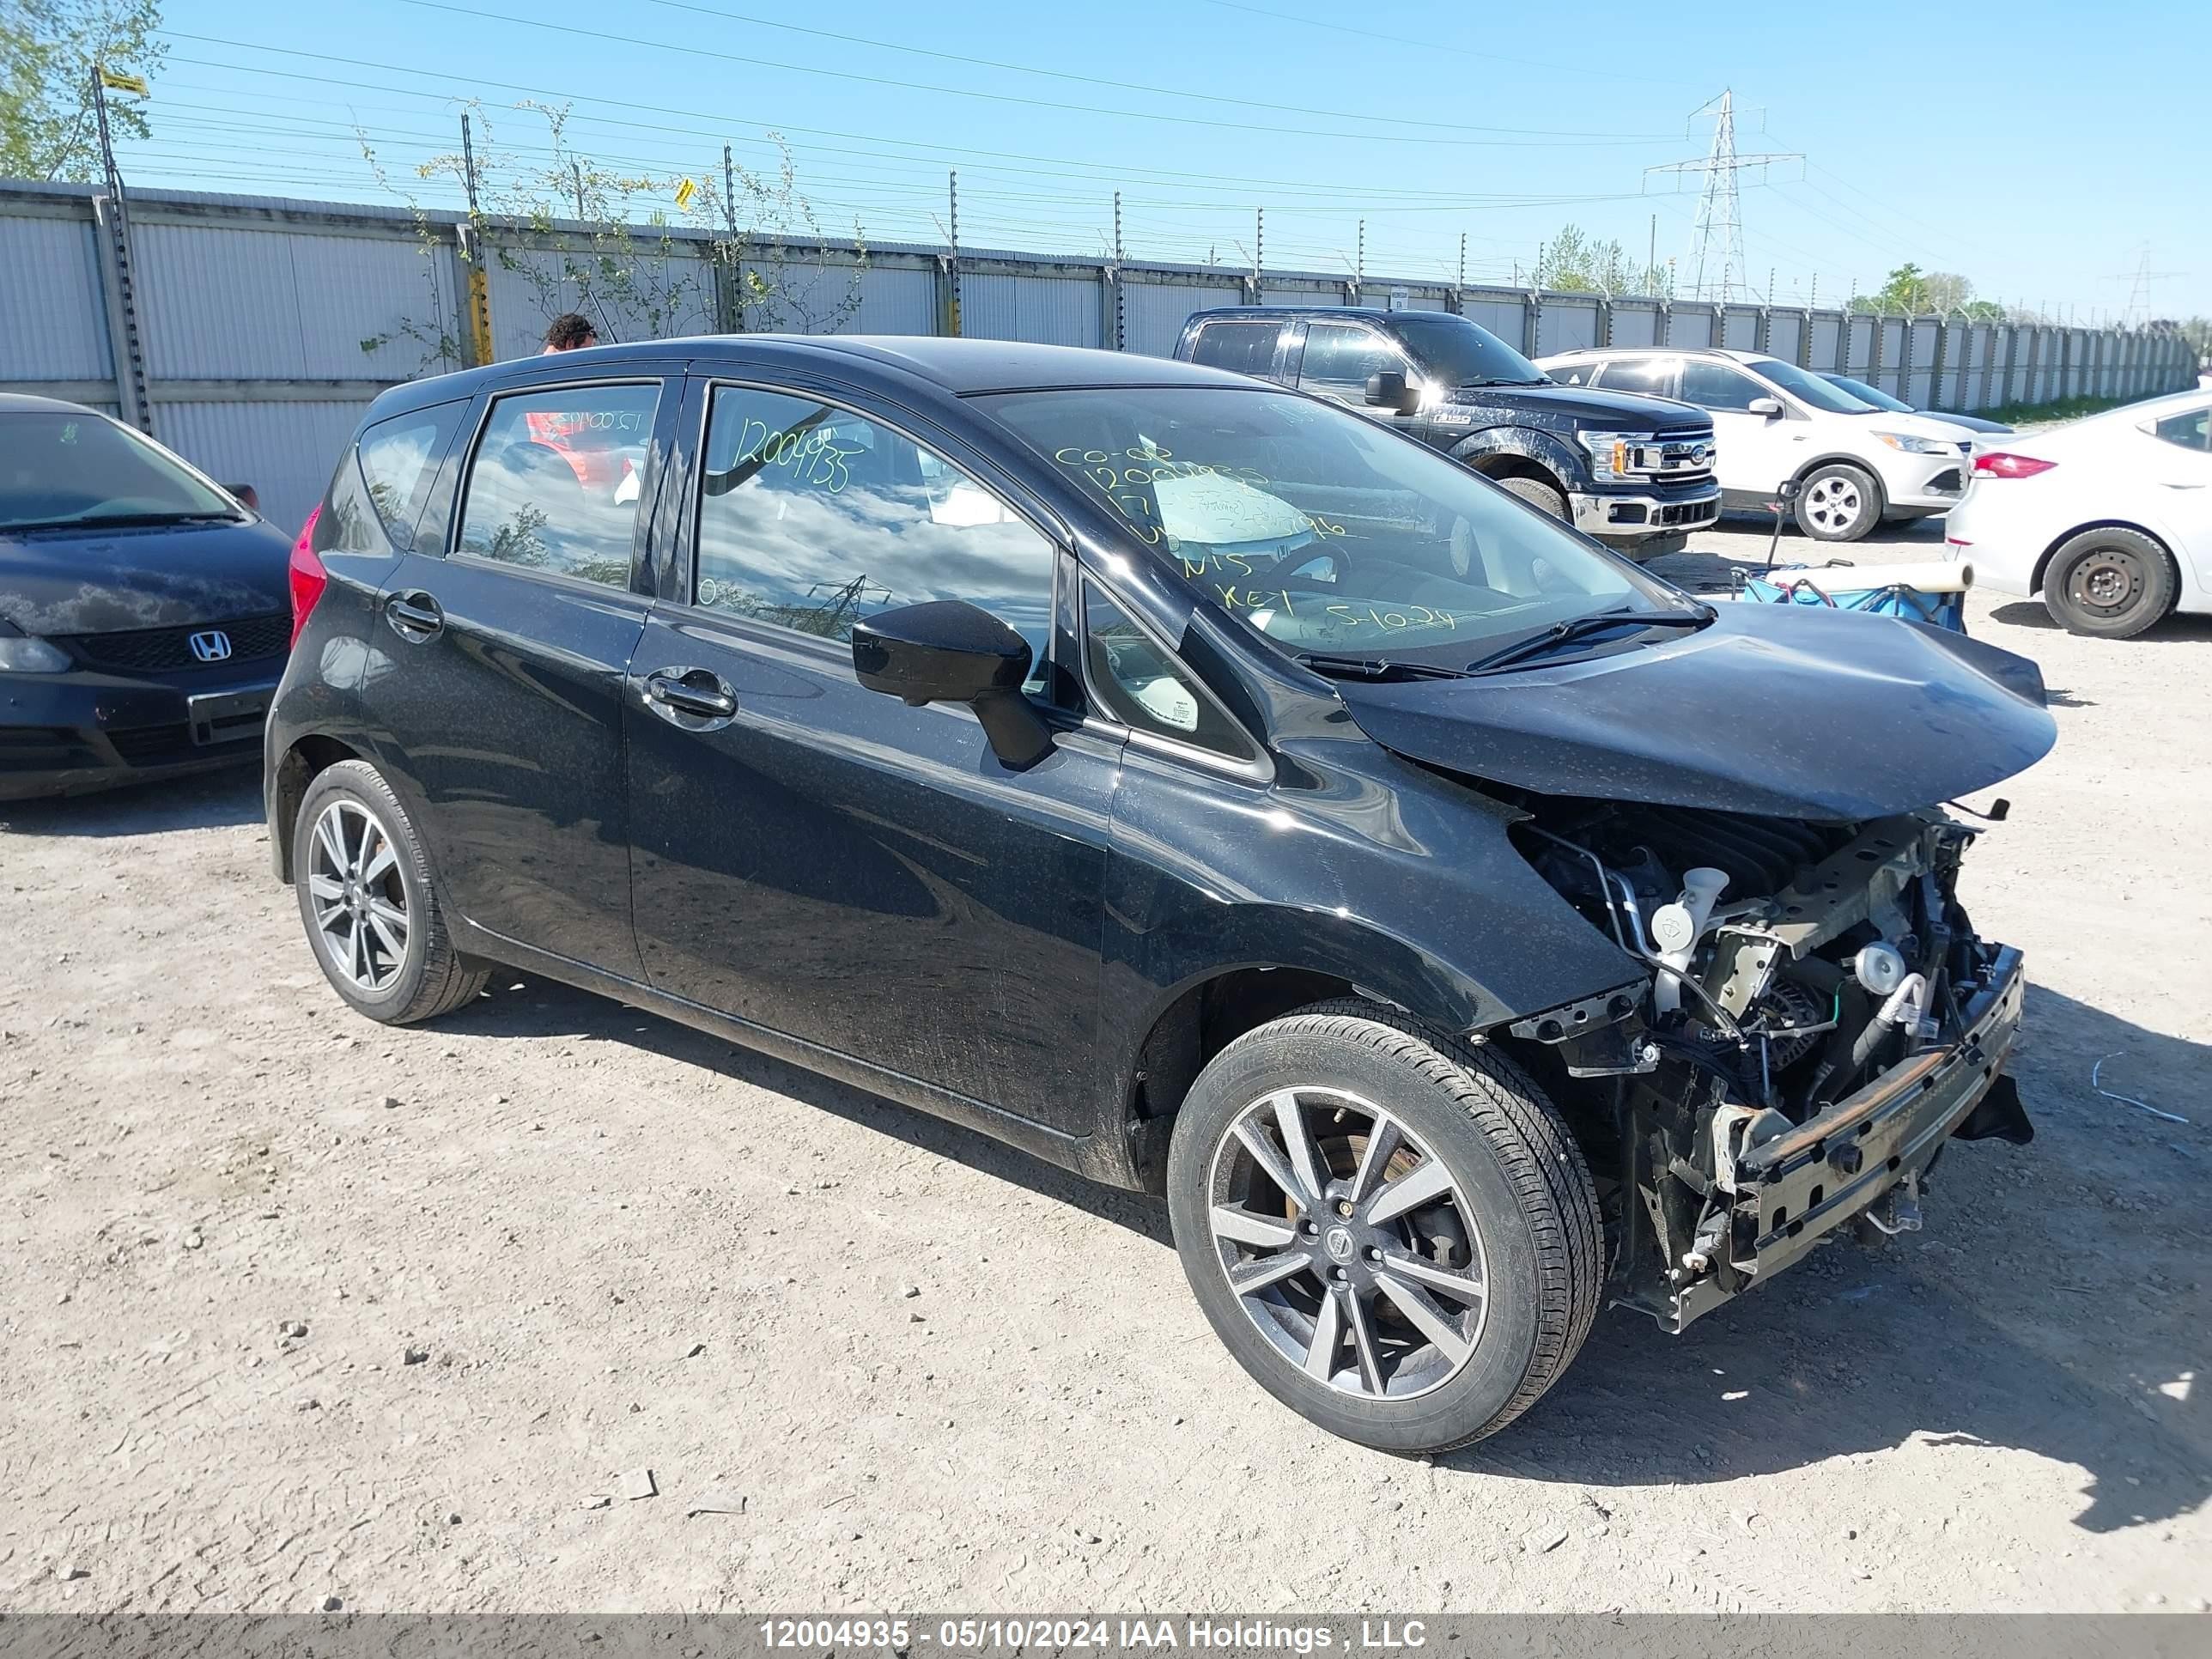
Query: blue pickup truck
[1635, 472]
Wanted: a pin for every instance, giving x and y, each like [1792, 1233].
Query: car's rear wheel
[368, 902]
[1389, 1227]
[1838, 503]
[2111, 583]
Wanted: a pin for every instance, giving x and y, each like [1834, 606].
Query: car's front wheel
[1839, 502]
[1390, 1228]
[2110, 583]
[369, 905]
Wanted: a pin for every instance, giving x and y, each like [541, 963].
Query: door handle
[698, 692]
[2175, 484]
[415, 615]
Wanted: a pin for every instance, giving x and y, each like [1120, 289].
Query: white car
[2110, 518]
[1855, 465]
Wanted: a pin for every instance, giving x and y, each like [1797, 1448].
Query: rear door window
[2191, 429]
[1653, 376]
[1247, 347]
[1339, 358]
[557, 479]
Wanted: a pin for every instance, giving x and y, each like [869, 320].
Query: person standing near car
[570, 331]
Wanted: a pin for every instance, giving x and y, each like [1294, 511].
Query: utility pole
[951, 240]
[472, 252]
[1719, 233]
[732, 304]
[1462, 258]
[1651, 254]
[1120, 297]
[1259, 248]
[141, 409]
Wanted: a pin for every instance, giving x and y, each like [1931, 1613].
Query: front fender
[1548, 450]
[1369, 868]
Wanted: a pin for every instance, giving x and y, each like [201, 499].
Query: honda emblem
[214, 646]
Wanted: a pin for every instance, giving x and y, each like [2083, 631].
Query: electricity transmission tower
[1716, 253]
[2138, 311]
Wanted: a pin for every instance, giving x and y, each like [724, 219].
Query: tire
[2111, 583]
[358, 864]
[1539, 493]
[1839, 502]
[1517, 1210]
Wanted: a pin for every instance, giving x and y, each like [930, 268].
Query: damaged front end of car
[1817, 1017]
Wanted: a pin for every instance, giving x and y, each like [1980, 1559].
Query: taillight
[308, 578]
[2003, 464]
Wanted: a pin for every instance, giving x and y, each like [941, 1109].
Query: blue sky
[2035, 155]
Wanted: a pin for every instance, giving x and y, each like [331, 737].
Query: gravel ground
[300, 1308]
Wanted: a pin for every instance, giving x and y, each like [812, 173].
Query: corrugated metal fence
[269, 324]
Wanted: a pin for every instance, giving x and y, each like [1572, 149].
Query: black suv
[1635, 472]
[1186, 780]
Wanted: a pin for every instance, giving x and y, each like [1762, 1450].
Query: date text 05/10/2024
[1106, 1635]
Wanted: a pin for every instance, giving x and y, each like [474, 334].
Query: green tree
[1574, 262]
[47, 49]
[1915, 292]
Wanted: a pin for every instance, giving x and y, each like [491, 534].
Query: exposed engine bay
[1818, 1016]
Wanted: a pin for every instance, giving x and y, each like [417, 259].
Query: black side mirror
[1389, 390]
[1770, 407]
[246, 495]
[950, 651]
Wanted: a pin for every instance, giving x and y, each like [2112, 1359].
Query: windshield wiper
[1374, 668]
[1575, 627]
[1495, 380]
[123, 521]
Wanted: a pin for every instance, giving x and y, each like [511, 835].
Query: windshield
[58, 468]
[1867, 394]
[1456, 352]
[1809, 388]
[1320, 529]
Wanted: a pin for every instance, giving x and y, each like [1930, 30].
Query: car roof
[1319, 313]
[1728, 352]
[23, 402]
[957, 367]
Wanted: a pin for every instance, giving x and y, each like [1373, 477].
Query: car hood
[1622, 410]
[114, 581]
[1787, 711]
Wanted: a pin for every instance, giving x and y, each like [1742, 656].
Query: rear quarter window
[377, 493]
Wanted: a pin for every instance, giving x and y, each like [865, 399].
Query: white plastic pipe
[1924, 576]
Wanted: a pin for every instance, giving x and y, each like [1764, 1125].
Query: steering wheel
[1297, 569]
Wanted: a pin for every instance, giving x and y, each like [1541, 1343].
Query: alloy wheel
[1349, 1245]
[1832, 503]
[360, 901]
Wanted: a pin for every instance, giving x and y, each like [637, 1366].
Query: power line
[969, 59]
[695, 52]
[1366, 33]
[1106, 171]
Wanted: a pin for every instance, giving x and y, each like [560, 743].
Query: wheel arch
[1519, 452]
[307, 758]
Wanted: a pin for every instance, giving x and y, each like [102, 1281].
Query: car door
[1753, 453]
[506, 643]
[826, 862]
[2177, 462]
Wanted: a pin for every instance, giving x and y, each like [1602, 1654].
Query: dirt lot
[893, 1365]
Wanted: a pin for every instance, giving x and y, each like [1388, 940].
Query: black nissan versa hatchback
[1182, 779]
